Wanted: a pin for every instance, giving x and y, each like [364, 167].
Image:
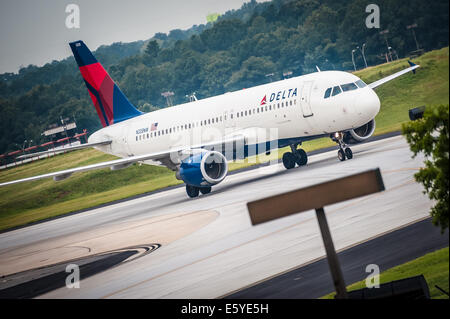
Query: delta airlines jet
[196, 139]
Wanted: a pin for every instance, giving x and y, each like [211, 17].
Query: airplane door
[305, 98]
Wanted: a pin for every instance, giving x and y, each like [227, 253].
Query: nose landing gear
[297, 156]
[344, 151]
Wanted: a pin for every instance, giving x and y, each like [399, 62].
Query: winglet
[412, 64]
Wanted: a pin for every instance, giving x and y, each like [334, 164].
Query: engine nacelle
[205, 168]
[360, 134]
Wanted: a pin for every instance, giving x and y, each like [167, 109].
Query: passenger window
[360, 83]
[336, 90]
[348, 87]
[327, 93]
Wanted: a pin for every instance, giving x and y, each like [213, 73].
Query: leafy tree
[151, 52]
[253, 72]
[430, 135]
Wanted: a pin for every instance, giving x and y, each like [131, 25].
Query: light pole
[353, 59]
[362, 52]
[384, 32]
[396, 55]
[412, 27]
[168, 95]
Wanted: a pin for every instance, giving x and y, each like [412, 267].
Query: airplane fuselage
[296, 108]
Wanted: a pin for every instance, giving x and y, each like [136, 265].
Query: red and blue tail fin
[111, 104]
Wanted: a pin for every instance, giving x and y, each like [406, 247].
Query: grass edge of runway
[433, 266]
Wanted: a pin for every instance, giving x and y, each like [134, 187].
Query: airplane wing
[412, 67]
[175, 154]
[65, 149]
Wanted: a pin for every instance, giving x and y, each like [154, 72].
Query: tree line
[237, 51]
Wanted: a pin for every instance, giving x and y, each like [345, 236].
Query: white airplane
[196, 139]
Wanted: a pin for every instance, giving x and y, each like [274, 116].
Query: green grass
[429, 86]
[433, 266]
[25, 203]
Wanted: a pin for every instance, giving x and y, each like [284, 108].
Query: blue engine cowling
[205, 168]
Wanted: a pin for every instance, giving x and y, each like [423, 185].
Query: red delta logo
[280, 95]
[263, 101]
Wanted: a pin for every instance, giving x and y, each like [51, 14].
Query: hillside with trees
[237, 51]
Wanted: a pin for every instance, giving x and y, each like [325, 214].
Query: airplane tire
[341, 155]
[289, 160]
[302, 157]
[192, 191]
[205, 190]
[348, 153]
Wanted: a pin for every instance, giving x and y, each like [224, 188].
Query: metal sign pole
[319, 195]
[333, 261]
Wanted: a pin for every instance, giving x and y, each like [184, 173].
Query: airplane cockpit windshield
[344, 88]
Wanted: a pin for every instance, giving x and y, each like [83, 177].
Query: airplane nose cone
[369, 105]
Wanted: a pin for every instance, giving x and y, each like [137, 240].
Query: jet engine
[203, 169]
[360, 134]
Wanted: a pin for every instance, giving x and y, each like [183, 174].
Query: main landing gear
[297, 156]
[344, 151]
[193, 191]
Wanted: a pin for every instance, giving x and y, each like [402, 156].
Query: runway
[208, 246]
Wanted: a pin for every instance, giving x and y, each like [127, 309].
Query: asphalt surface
[314, 280]
[227, 253]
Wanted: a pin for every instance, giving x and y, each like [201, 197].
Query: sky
[35, 32]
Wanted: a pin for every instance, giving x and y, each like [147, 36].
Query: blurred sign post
[316, 197]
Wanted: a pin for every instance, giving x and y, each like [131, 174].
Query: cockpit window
[327, 93]
[336, 90]
[360, 83]
[349, 87]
